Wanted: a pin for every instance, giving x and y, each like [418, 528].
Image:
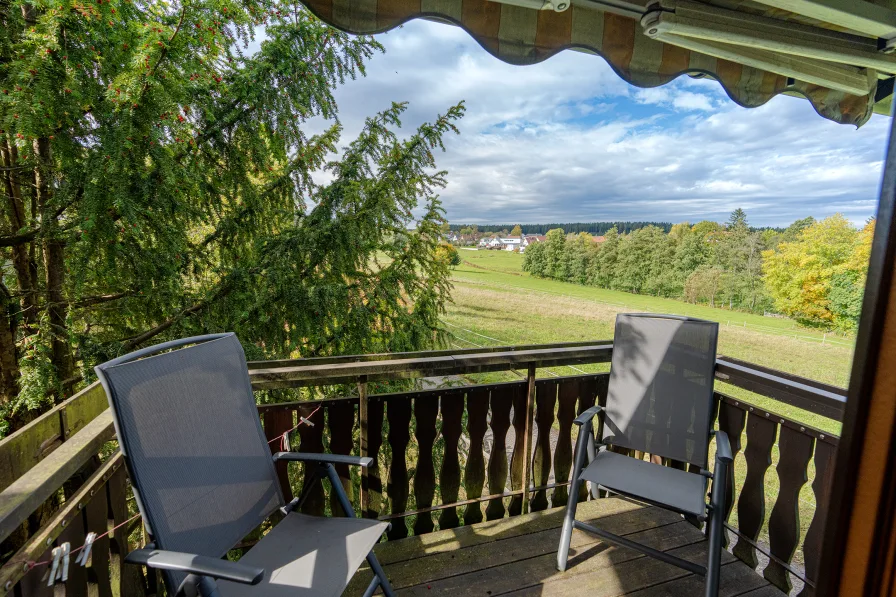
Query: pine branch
[152, 333]
[15, 240]
[223, 290]
[98, 300]
[163, 53]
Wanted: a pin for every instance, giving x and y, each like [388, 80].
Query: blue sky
[568, 140]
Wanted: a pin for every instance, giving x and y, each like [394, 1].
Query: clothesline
[284, 439]
[89, 542]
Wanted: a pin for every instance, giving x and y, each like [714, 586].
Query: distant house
[491, 243]
[598, 239]
[530, 239]
[512, 242]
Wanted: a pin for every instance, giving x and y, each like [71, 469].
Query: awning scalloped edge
[525, 36]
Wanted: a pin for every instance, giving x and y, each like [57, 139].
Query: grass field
[496, 303]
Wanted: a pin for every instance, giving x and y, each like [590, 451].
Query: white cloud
[687, 100]
[568, 140]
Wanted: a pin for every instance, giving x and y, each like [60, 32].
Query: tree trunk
[54, 264]
[9, 362]
[26, 270]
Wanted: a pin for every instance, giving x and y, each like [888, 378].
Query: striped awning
[521, 33]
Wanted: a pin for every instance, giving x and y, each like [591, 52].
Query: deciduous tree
[799, 273]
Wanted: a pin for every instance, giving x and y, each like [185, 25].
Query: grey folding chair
[204, 478]
[660, 401]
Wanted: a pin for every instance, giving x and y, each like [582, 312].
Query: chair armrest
[723, 448]
[195, 564]
[587, 415]
[364, 461]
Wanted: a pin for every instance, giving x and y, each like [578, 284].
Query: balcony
[472, 478]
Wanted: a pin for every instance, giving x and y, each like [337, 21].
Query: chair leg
[584, 447]
[592, 454]
[381, 575]
[568, 518]
[372, 587]
[207, 587]
[715, 528]
[330, 471]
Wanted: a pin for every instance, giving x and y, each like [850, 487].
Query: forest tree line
[594, 228]
[812, 271]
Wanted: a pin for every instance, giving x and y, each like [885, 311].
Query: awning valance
[755, 51]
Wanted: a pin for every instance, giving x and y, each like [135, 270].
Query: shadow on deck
[517, 556]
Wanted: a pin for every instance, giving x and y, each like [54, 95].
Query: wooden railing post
[362, 440]
[527, 438]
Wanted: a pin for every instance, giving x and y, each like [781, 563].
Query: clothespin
[54, 567]
[306, 421]
[284, 442]
[85, 551]
[66, 551]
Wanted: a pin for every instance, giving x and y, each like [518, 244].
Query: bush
[449, 253]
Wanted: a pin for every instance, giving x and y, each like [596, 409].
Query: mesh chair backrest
[660, 396]
[193, 443]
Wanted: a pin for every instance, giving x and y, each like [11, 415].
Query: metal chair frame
[203, 571]
[586, 449]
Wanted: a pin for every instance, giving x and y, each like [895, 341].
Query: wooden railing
[442, 457]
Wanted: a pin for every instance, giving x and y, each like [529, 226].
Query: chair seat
[661, 485]
[308, 555]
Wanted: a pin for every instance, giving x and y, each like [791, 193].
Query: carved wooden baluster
[761, 434]
[312, 440]
[784, 523]
[821, 486]
[398, 412]
[517, 456]
[131, 577]
[74, 533]
[545, 400]
[474, 472]
[425, 411]
[449, 477]
[96, 519]
[731, 421]
[341, 423]
[276, 422]
[566, 412]
[375, 411]
[501, 401]
[591, 391]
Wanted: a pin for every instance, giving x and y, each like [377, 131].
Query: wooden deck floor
[517, 556]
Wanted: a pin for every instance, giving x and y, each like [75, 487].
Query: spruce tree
[157, 182]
